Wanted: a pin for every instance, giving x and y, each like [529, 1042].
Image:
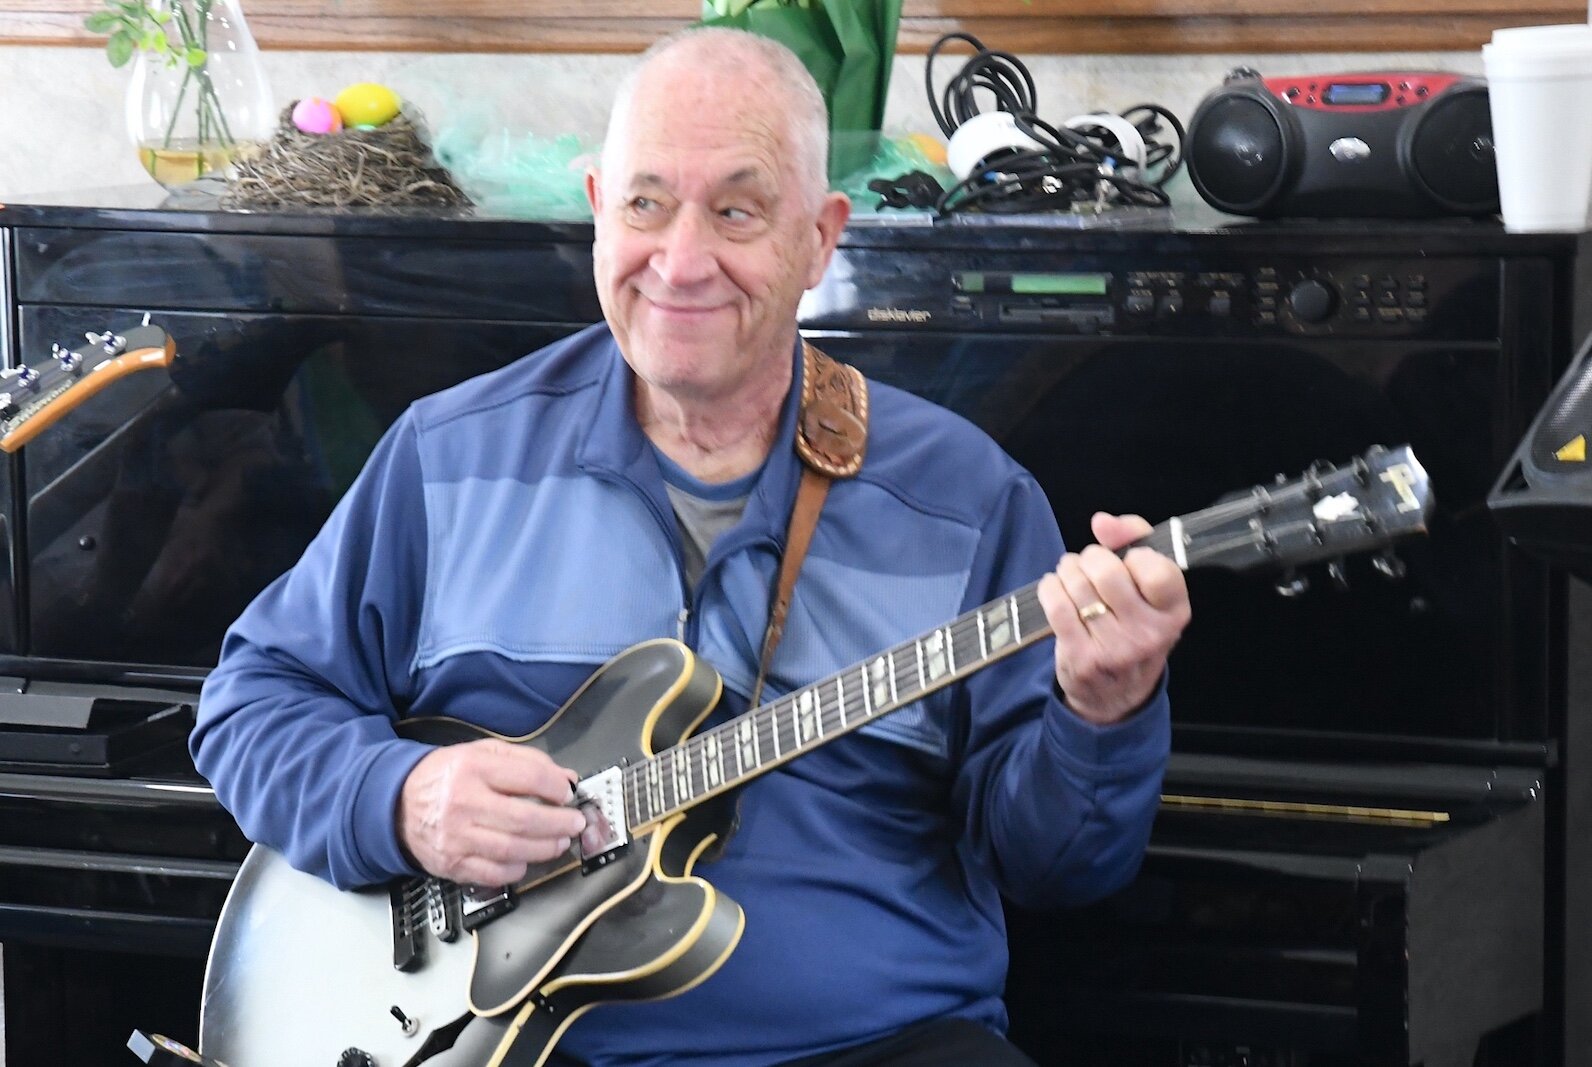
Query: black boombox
[1391, 145]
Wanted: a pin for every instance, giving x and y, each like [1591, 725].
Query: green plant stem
[176, 110]
[196, 33]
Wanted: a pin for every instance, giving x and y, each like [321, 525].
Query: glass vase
[199, 100]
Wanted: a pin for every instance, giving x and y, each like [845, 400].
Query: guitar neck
[765, 737]
[1323, 515]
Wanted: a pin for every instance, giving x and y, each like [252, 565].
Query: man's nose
[686, 255]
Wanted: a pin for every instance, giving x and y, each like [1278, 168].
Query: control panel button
[1312, 300]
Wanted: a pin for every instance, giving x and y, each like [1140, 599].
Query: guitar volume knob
[355, 1057]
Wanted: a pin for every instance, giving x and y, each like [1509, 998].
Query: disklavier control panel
[1026, 292]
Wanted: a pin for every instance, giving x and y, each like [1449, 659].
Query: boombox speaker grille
[1236, 153]
[1451, 153]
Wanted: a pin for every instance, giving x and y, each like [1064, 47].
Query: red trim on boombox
[1337, 92]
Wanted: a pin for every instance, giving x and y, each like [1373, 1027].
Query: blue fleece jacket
[511, 534]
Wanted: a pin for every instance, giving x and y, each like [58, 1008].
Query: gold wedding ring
[1093, 611]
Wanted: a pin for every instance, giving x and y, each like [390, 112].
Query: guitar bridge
[601, 798]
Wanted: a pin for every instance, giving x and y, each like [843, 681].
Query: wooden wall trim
[1036, 27]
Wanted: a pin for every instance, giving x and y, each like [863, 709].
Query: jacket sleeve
[295, 723]
[1057, 809]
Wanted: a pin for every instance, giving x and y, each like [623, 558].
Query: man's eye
[643, 204]
[735, 214]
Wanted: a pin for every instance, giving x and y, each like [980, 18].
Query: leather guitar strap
[831, 437]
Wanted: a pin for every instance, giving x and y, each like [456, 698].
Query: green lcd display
[1064, 284]
[1047, 284]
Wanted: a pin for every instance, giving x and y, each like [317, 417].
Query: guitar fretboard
[728, 755]
[761, 739]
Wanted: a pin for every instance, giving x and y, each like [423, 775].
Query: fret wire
[823, 715]
[674, 777]
[773, 719]
[632, 799]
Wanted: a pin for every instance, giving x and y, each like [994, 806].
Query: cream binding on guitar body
[428, 972]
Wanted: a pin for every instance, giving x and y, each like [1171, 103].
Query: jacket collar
[614, 444]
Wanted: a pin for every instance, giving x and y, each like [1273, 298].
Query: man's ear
[831, 223]
[594, 191]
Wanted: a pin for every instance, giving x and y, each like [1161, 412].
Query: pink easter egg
[314, 115]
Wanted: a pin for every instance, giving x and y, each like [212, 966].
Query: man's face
[705, 239]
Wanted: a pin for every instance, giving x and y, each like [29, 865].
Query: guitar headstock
[1326, 513]
[35, 396]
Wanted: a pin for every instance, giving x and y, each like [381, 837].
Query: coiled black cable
[1071, 167]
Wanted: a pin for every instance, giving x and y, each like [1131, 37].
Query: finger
[1115, 531]
[528, 817]
[1060, 611]
[1111, 580]
[473, 870]
[1160, 581]
[522, 770]
[1089, 604]
[510, 850]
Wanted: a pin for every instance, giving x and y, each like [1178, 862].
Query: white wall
[62, 126]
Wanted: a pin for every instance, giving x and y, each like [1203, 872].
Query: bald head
[744, 64]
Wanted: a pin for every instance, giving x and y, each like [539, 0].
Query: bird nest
[389, 166]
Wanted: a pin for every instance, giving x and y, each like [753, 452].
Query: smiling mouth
[684, 309]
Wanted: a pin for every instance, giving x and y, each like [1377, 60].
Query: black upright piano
[1373, 842]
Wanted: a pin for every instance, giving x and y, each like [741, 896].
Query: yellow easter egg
[366, 104]
[932, 148]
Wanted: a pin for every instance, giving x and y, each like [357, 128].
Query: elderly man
[635, 481]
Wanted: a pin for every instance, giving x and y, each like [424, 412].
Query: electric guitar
[33, 398]
[424, 971]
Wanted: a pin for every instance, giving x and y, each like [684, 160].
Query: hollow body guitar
[427, 972]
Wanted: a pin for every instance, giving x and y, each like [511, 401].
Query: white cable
[984, 137]
[1126, 133]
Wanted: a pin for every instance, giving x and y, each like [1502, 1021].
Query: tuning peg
[112, 344]
[20, 377]
[1388, 565]
[1339, 576]
[1292, 584]
[70, 361]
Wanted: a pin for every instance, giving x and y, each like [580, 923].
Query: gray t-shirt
[704, 510]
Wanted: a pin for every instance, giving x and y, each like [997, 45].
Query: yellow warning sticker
[1573, 450]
